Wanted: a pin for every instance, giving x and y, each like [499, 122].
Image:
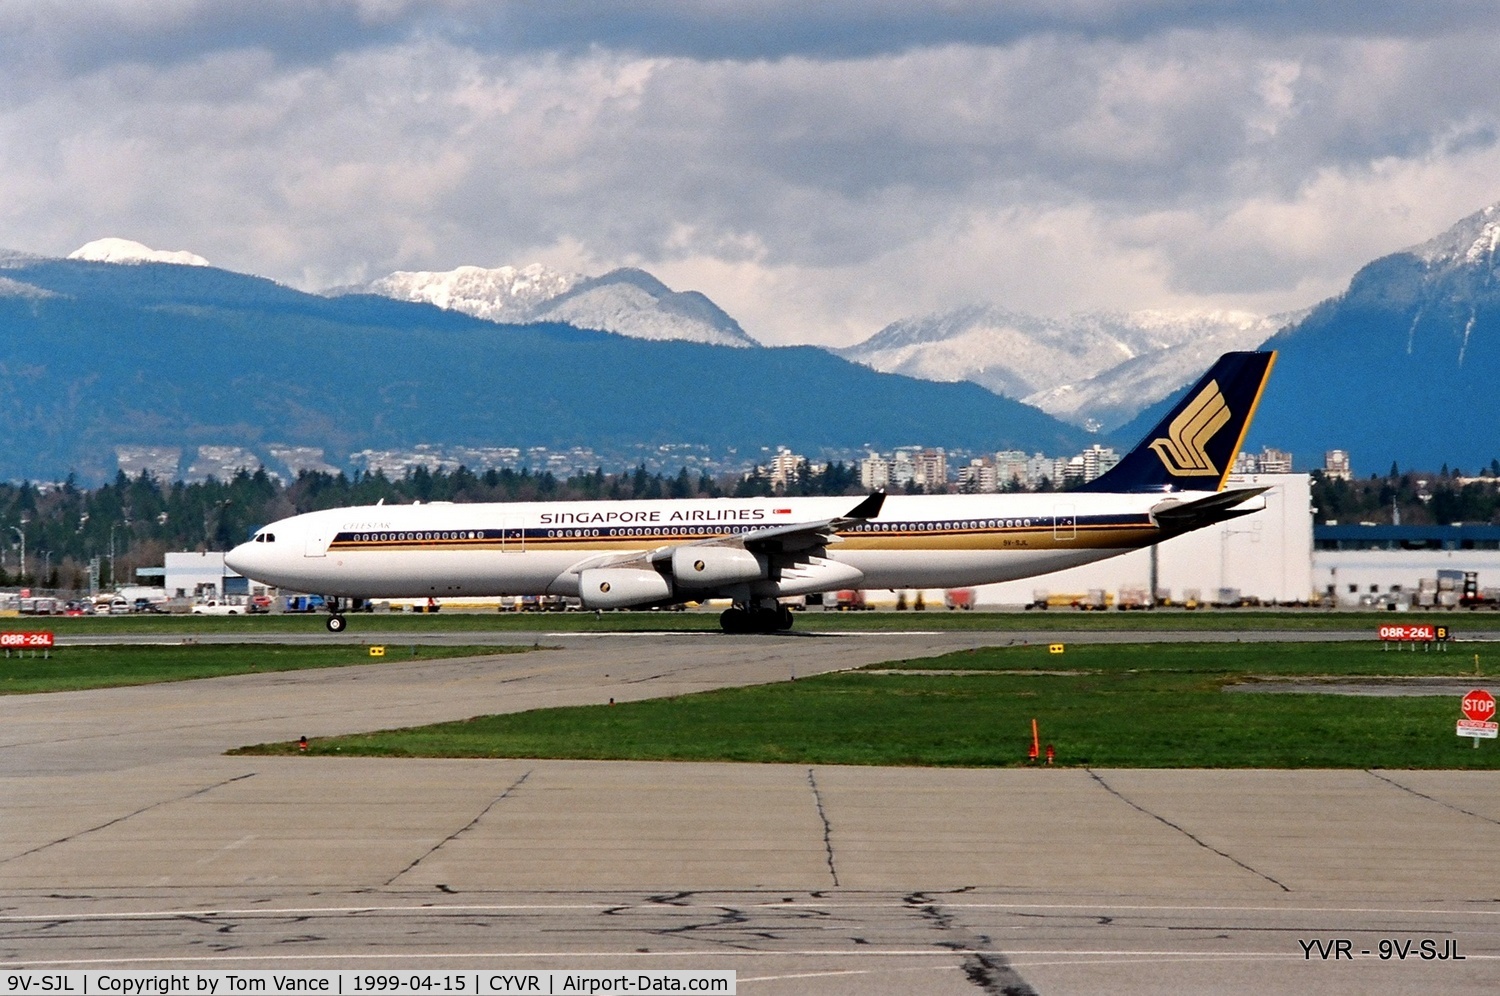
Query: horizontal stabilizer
[1180, 517]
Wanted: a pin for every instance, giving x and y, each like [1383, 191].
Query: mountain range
[100, 355]
[1096, 369]
[626, 301]
[172, 351]
[1402, 366]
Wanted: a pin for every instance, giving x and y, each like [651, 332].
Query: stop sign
[1479, 705]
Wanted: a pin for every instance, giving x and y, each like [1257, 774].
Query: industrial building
[1355, 563]
[1266, 555]
[202, 574]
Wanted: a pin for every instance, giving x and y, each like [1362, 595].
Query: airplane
[754, 551]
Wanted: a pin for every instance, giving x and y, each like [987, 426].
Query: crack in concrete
[463, 829]
[987, 969]
[827, 828]
[1186, 833]
[121, 819]
[1429, 798]
[723, 917]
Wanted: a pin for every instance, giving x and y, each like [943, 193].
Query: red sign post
[21, 642]
[1478, 707]
[13, 640]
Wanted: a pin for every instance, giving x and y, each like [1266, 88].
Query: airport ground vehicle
[848, 600]
[215, 607]
[303, 603]
[959, 598]
[1475, 597]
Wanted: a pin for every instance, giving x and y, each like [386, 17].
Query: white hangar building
[1265, 555]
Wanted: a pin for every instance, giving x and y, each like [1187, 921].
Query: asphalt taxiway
[128, 839]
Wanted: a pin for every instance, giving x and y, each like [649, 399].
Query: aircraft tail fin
[1194, 446]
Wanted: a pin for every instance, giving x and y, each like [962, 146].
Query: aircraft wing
[786, 538]
[789, 536]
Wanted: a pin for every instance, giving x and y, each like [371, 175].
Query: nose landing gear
[335, 621]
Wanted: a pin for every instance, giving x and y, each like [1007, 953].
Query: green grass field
[74, 668]
[1166, 620]
[1137, 705]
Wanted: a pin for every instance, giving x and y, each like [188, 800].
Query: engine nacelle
[622, 587]
[713, 566]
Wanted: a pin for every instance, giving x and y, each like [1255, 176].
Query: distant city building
[903, 470]
[161, 462]
[978, 477]
[302, 458]
[222, 462]
[1010, 466]
[783, 467]
[1039, 468]
[931, 469]
[1267, 461]
[1097, 460]
[874, 472]
[1336, 465]
[398, 463]
[1275, 461]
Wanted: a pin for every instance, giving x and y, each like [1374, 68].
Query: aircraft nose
[239, 559]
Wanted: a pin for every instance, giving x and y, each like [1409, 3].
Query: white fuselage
[936, 541]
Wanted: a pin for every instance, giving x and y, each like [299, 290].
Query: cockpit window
[265, 537]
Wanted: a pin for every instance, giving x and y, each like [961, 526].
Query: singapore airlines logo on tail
[1183, 451]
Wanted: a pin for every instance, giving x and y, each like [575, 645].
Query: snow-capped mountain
[501, 294]
[632, 302]
[1471, 242]
[112, 250]
[627, 301]
[1402, 364]
[1114, 396]
[1090, 369]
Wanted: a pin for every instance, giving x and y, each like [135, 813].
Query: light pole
[113, 578]
[1253, 533]
[21, 532]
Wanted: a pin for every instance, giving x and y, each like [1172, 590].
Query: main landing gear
[764, 618]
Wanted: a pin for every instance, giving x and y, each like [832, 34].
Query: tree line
[1417, 498]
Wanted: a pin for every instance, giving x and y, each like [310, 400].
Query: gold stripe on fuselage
[1085, 537]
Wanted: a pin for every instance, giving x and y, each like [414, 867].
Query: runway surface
[128, 840]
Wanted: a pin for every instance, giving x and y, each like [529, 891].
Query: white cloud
[1136, 159]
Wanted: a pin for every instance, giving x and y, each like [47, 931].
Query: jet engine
[713, 566]
[622, 587]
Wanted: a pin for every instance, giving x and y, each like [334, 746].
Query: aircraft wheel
[336, 624]
[734, 621]
[784, 618]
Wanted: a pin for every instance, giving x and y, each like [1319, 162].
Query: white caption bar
[423, 983]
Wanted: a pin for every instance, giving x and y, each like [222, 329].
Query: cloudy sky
[817, 168]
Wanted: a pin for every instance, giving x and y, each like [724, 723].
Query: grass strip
[813, 620]
[75, 668]
[1171, 712]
